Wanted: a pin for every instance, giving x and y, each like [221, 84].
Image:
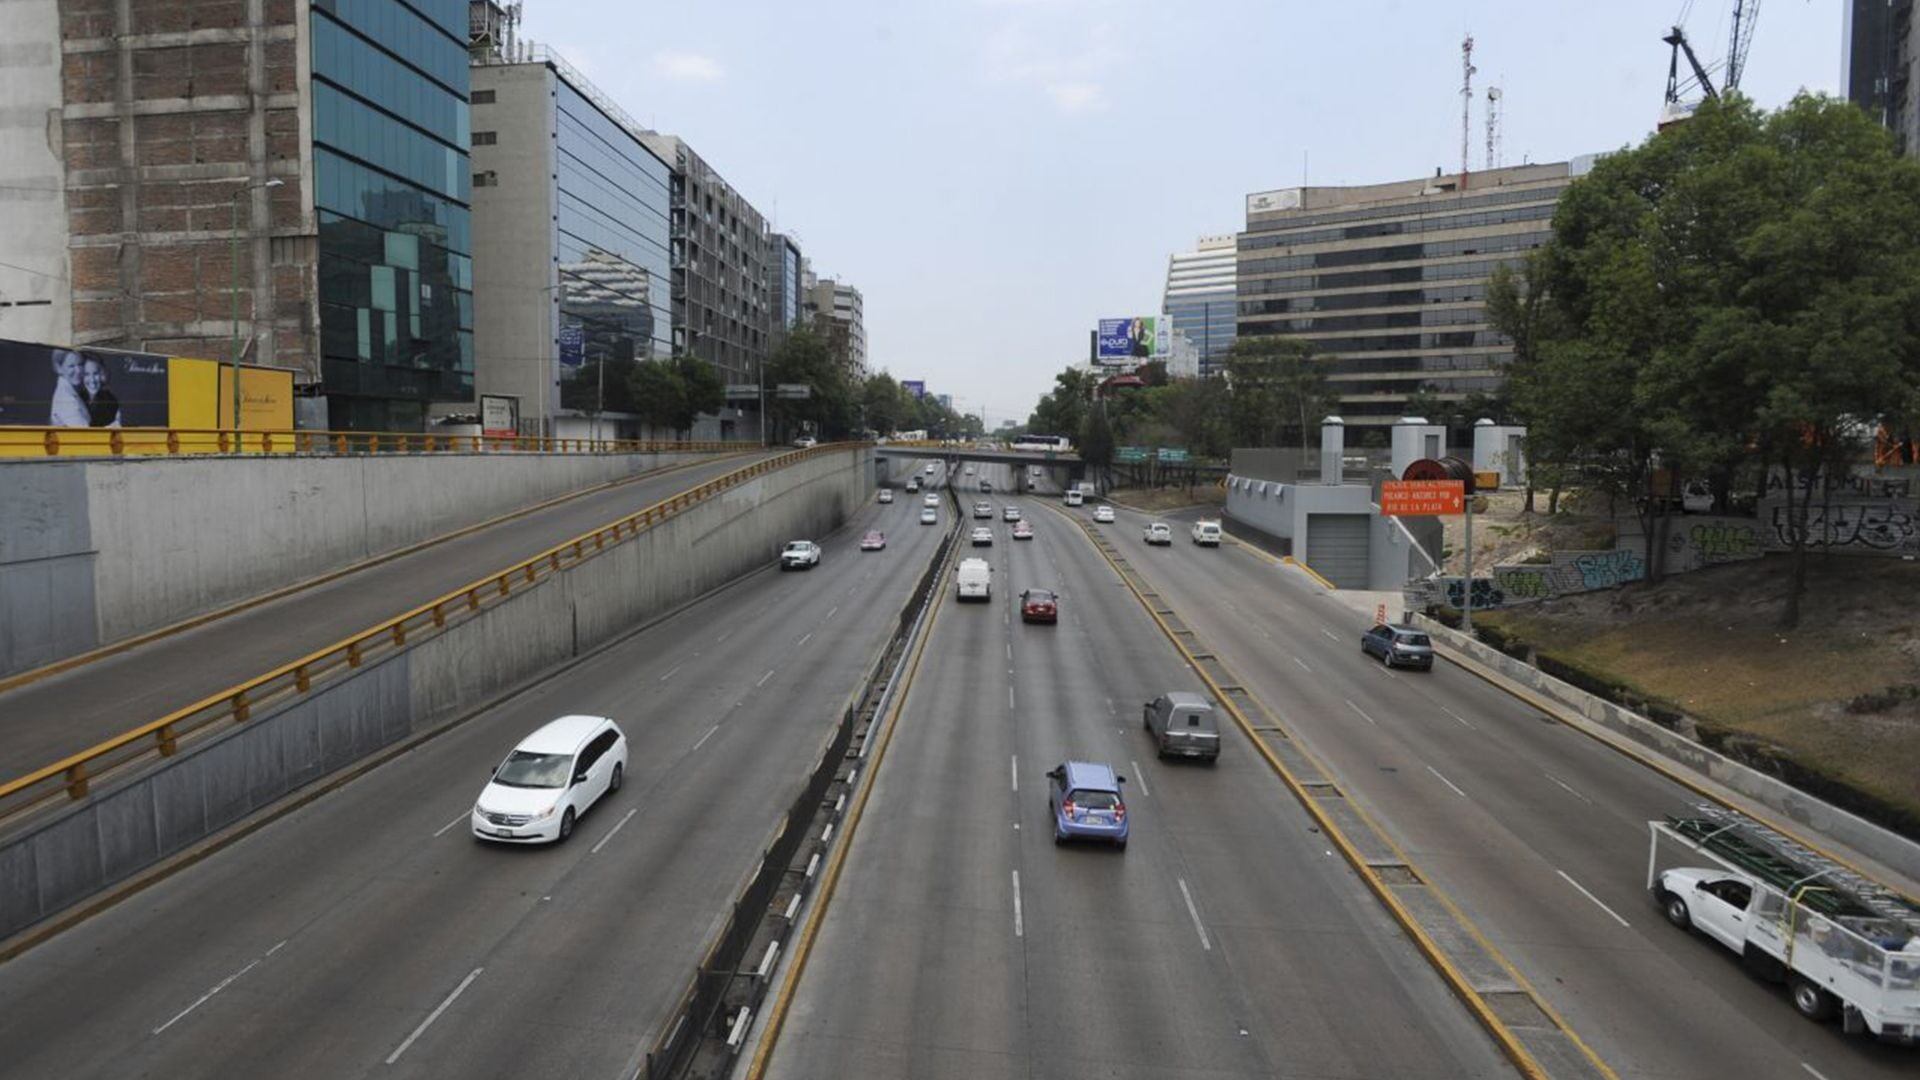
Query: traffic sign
[1173, 454]
[1130, 453]
[793, 390]
[1422, 498]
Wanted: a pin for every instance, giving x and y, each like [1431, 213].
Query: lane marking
[804, 640]
[724, 636]
[1140, 778]
[1595, 899]
[435, 1014]
[1019, 927]
[1016, 772]
[764, 678]
[1458, 717]
[831, 611]
[1330, 634]
[671, 672]
[1009, 697]
[1195, 912]
[451, 824]
[219, 986]
[1444, 780]
[1302, 663]
[708, 735]
[1362, 712]
[1818, 1075]
[1569, 790]
[595, 849]
[1009, 650]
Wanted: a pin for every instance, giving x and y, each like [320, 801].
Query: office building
[1200, 301]
[1879, 65]
[1389, 281]
[786, 268]
[289, 185]
[839, 316]
[572, 239]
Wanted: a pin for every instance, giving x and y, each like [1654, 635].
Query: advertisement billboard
[916, 387]
[499, 415]
[1125, 341]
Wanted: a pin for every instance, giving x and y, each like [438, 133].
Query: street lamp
[233, 259]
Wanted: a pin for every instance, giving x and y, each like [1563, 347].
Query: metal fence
[43, 442]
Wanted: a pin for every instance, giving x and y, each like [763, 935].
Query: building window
[486, 179]
[485, 138]
[482, 97]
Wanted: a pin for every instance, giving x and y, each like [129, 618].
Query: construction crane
[1678, 40]
[1745, 16]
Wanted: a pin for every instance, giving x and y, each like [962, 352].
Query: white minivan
[537, 794]
[973, 580]
[1074, 497]
[1206, 533]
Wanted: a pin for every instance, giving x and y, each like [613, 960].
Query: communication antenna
[1493, 127]
[1466, 103]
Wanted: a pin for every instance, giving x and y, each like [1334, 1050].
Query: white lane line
[1195, 912]
[1569, 790]
[1019, 927]
[1009, 650]
[1817, 1074]
[1362, 712]
[831, 611]
[1302, 663]
[724, 636]
[708, 735]
[221, 985]
[595, 849]
[1330, 634]
[435, 1014]
[1140, 778]
[764, 678]
[1016, 772]
[1444, 780]
[804, 640]
[276, 949]
[1009, 697]
[1595, 899]
[671, 672]
[451, 824]
[1458, 717]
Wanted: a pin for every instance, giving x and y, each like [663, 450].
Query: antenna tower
[1493, 127]
[1466, 103]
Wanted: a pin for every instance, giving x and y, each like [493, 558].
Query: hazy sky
[995, 175]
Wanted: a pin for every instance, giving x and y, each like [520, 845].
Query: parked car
[1206, 533]
[1399, 646]
[1103, 514]
[929, 516]
[983, 510]
[800, 555]
[1085, 799]
[550, 780]
[886, 495]
[982, 537]
[1159, 532]
[1022, 531]
[1183, 724]
[1010, 513]
[806, 442]
[973, 580]
[875, 540]
[1039, 605]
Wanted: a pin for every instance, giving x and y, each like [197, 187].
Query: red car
[1022, 531]
[873, 541]
[1039, 605]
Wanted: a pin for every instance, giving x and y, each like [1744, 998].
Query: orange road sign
[1422, 498]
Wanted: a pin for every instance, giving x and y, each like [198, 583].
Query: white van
[1206, 533]
[974, 579]
[550, 779]
[1074, 497]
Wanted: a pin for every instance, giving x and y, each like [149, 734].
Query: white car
[930, 468]
[1206, 533]
[983, 510]
[930, 499]
[969, 470]
[982, 537]
[806, 442]
[800, 555]
[973, 580]
[550, 780]
[929, 516]
[1010, 513]
[1159, 533]
[886, 495]
[1103, 514]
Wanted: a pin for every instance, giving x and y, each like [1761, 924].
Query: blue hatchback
[1085, 799]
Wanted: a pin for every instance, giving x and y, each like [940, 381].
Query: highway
[1538, 831]
[1227, 940]
[368, 933]
[46, 720]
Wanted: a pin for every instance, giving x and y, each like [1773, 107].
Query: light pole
[233, 259]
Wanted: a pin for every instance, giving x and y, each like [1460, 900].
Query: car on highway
[1022, 531]
[550, 781]
[1183, 724]
[986, 486]
[969, 470]
[800, 555]
[929, 516]
[886, 495]
[1399, 646]
[973, 580]
[982, 537]
[1103, 514]
[875, 540]
[1159, 532]
[930, 499]
[913, 483]
[1010, 513]
[1074, 497]
[806, 442]
[1206, 533]
[1084, 797]
[983, 510]
[930, 468]
[1039, 606]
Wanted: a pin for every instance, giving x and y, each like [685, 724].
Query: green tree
[1096, 440]
[659, 397]
[583, 389]
[1277, 390]
[702, 390]
[831, 407]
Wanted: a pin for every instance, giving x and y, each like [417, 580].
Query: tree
[702, 390]
[1276, 389]
[803, 358]
[1096, 440]
[658, 395]
[583, 389]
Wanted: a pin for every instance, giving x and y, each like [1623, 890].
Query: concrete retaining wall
[95, 551]
[116, 832]
[1816, 817]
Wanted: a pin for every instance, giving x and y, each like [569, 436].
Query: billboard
[916, 387]
[1125, 341]
[1422, 498]
[499, 414]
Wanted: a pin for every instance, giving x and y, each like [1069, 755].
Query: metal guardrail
[73, 775]
[39, 442]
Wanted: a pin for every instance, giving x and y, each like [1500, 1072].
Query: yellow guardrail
[37, 442]
[72, 775]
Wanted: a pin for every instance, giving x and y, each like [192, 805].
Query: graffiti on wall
[1864, 526]
[1486, 593]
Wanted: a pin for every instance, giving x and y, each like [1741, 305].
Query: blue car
[1085, 799]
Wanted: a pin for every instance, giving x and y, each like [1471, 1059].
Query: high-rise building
[1389, 281]
[839, 315]
[285, 181]
[1200, 300]
[786, 269]
[572, 236]
[1882, 54]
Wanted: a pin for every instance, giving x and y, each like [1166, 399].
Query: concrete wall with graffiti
[1888, 527]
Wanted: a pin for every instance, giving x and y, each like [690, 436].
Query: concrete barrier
[95, 551]
[1814, 816]
[122, 829]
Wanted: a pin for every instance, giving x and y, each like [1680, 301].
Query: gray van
[1183, 724]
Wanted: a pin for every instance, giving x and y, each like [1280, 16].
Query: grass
[1160, 500]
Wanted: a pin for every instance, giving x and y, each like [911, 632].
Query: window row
[1399, 275]
[353, 190]
[1424, 224]
[408, 34]
[1450, 204]
[350, 62]
[1396, 253]
[359, 130]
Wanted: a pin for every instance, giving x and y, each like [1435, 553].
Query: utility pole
[1466, 103]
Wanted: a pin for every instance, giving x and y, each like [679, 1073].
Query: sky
[997, 175]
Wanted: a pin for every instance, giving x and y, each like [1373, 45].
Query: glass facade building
[1388, 282]
[392, 197]
[1200, 300]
